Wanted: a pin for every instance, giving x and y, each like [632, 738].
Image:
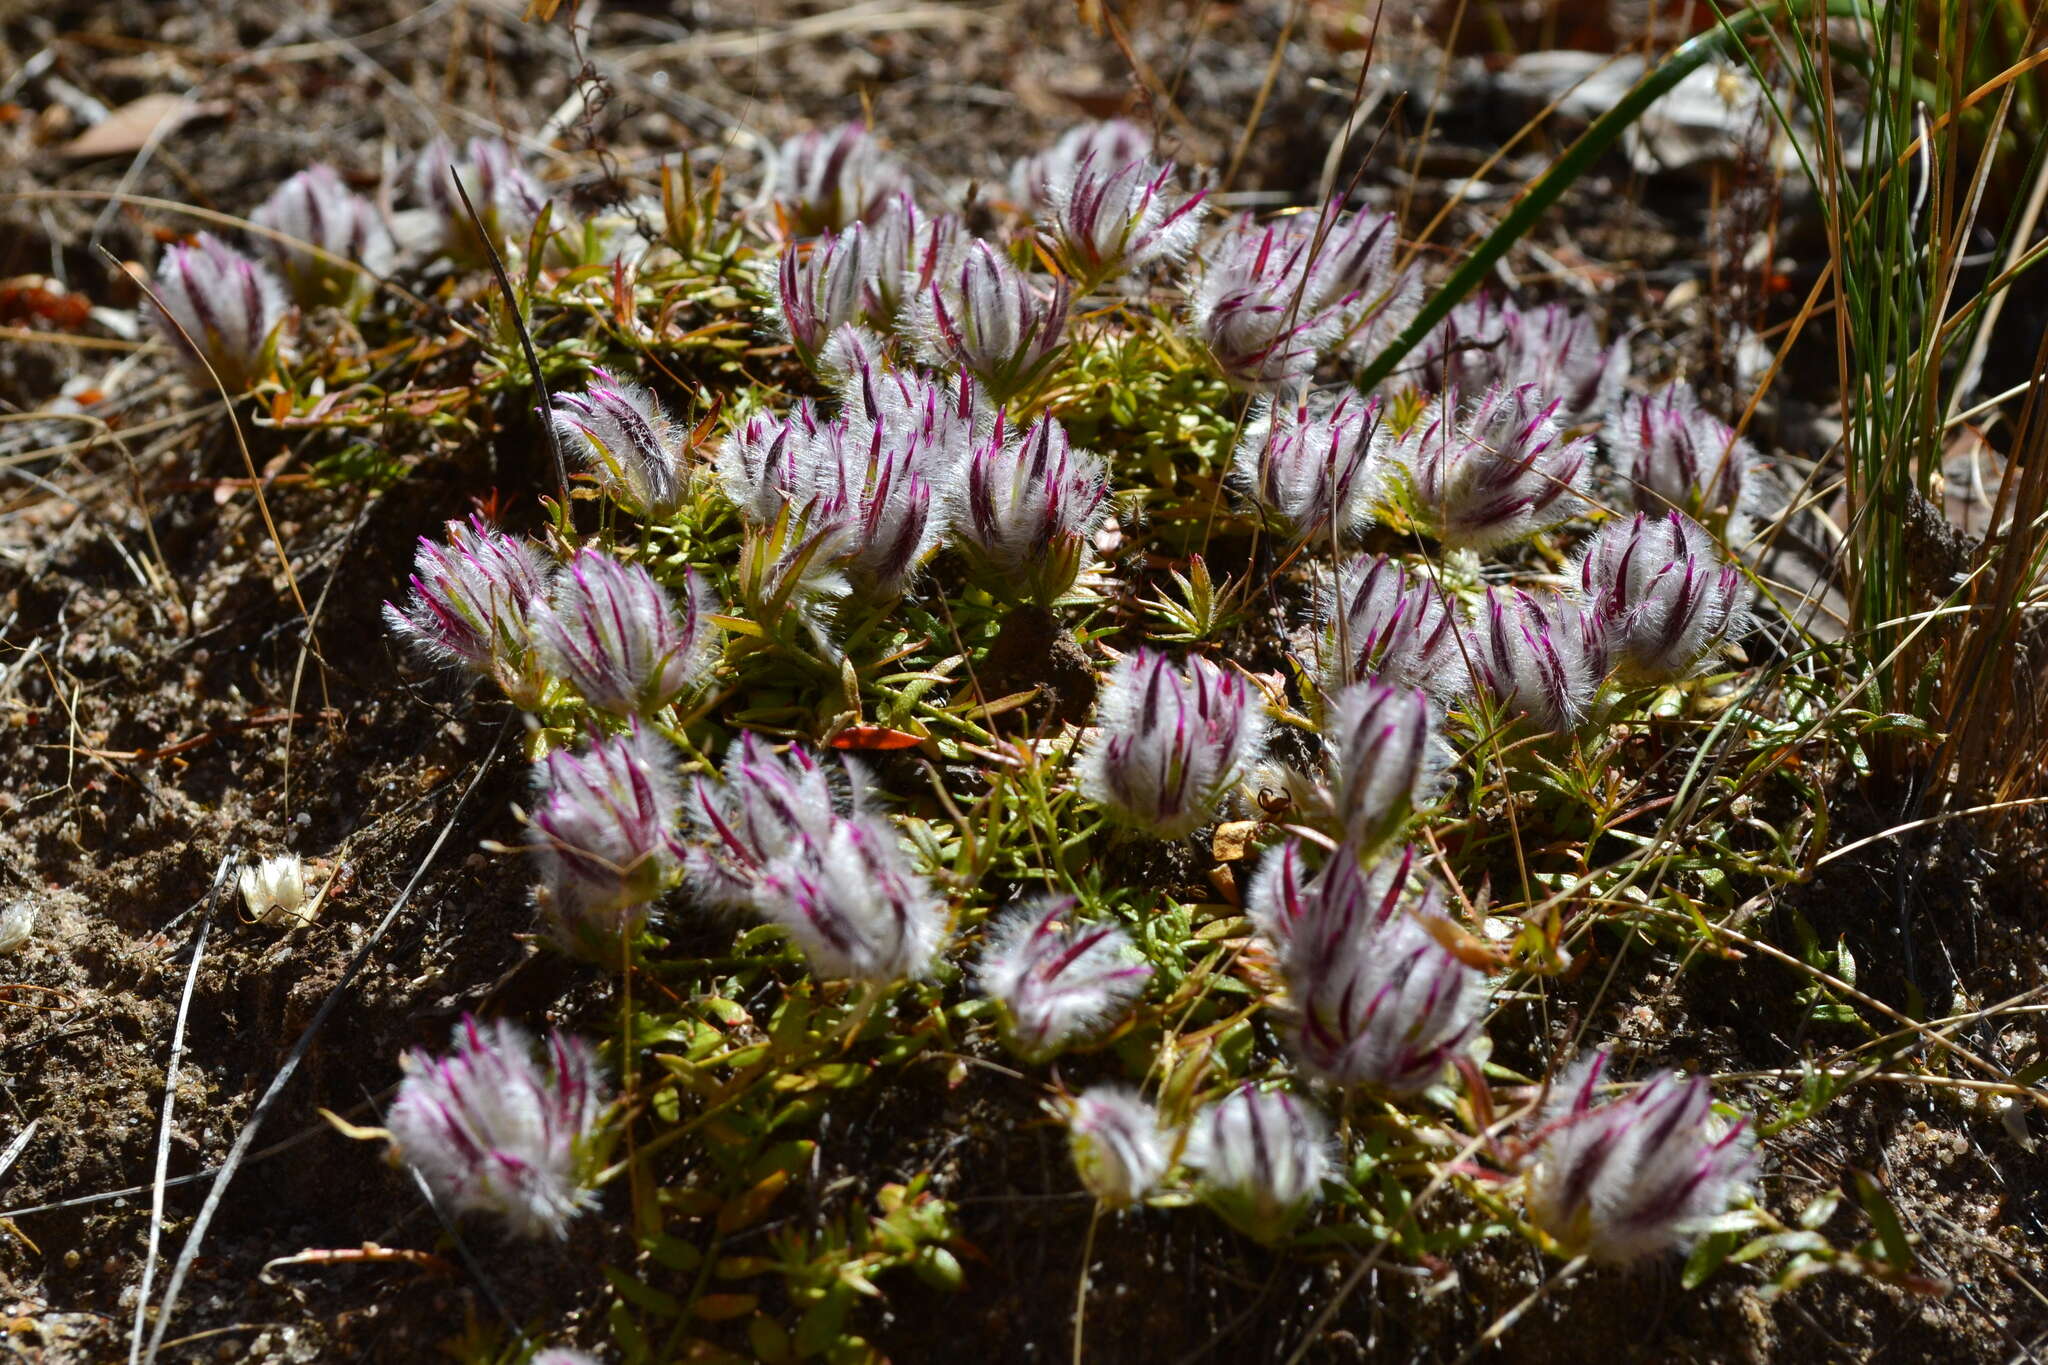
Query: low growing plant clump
[1036, 641]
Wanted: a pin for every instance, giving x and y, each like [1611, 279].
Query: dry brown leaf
[129, 128]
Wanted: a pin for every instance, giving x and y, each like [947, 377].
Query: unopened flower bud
[1310, 465]
[829, 178]
[604, 830]
[822, 287]
[615, 636]
[1262, 1156]
[1488, 343]
[314, 207]
[988, 319]
[507, 199]
[1676, 454]
[474, 602]
[1169, 744]
[1380, 621]
[1029, 510]
[634, 448]
[216, 307]
[1542, 656]
[1377, 1001]
[1662, 593]
[763, 802]
[491, 1129]
[1116, 218]
[1112, 142]
[1497, 472]
[1636, 1176]
[852, 902]
[1118, 1149]
[1385, 757]
[1059, 980]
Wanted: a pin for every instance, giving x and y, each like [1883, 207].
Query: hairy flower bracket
[828, 179]
[1112, 142]
[1380, 621]
[1029, 510]
[1639, 1175]
[1378, 1000]
[1310, 466]
[612, 633]
[987, 318]
[775, 841]
[508, 200]
[635, 449]
[1662, 594]
[1488, 342]
[1060, 981]
[1170, 743]
[604, 831]
[1385, 758]
[826, 286]
[1677, 455]
[1262, 1156]
[1273, 301]
[1119, 1150]
[1112, 218]
[1496, 472]
[474, 602]
[316, 208]
[216, 307]
[1543, 656]
[489, 1128]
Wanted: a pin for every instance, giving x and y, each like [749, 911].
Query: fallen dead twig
[247, 1137]
[163, 1137]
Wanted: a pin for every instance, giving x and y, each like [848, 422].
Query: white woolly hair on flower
[489, 1128]
[1662, 592]
[1541, 654]
[1119, 1149]
[852, 902]
[627, 440]
[1495, 470]
[1170, 743]
[1061, 980]
[1262, 1156]
[1382, 620]
[1638, 1175]
[1312, 465]
[1387, 756]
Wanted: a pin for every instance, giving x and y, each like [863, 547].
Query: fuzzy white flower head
[1488, 342]
[1381, 621]
[1029, 509]
[1542, 655]
[1376, 1000]
[316, 208]
[1112, 142]
[1116, 218]
[852, 902]
[507, 199]
[1169, 743]
[1496, 472]
[226, 309]
[1662, 593]
[489, 1128]
[828, 178]
[617, 637]
[604, 830]
[1262, 1156]
[274, 891]
[1636, 1176]
[475, 601]
[629, 442]
[1118, 1149]
[823, 286]
[1061, 981]
[764, 803]
[1386, 757]
[991, 320]
[1311, 465]
[1676, 454]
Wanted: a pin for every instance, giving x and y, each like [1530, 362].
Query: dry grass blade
[221, 878]
[247, 1137]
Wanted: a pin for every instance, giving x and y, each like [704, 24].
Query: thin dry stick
[243, 1140]
[1514, 1315]
[163, 1138]
[1081, 1293]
